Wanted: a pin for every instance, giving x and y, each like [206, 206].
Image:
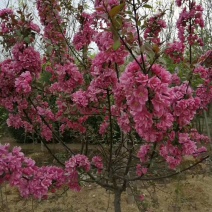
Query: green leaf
[27, 39]
[147, 6]
[49, 50]
[115, 10]
[118, 23]
[116, 45]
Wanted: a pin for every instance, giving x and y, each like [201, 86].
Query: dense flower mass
[35, 181]
[30, 179]
[68, 78]
[23, 82]
[17, 75]
[27, 58]
[137, 88]
[54, 34]
[175, 51]
[76, 162]
[187, 24]
[6, 12]
[84, 37]
[154, 26]
[188, 21]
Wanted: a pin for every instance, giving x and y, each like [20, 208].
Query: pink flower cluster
[199, 138]
[204, 71]
[148, 100]
[143, 152]
[68, 78]
[182, 144]
[15, 28]
[46, 132]
[27, 58]
[185, 110]
[189, 147]
[6, 12]
[103, 127]
[23, 83]
[179, 3]
[35, 181]
[204, 92]
[97, 162]
[175, 51]
[188, 22]
[103, 6]
[34, 27]
[104, 40]
[17, 75]
[154, 26]
[80, 98]
[22, 173]
[5, 24]
[72, 165]
[140, 171]
[85, 35]
[54, 33]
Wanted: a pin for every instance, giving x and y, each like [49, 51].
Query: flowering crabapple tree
[126, 90]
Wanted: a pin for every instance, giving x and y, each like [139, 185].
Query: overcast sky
[2, 4]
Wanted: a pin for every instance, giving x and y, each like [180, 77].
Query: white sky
[2, 4]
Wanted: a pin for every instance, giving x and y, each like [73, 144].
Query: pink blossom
[189, 148]
[34, 27]
[143, 152]
[185, 110]
[137, 100]
[141, 170]
[34, 181]
[124, 122]
[27, 58]
[84, 36]
[97, 162]
[173, 162]
[142, 197]
[23, 83]
[175, 51]
[46, 133]
[154, 26]
[6, 12]
[45, 112]
[77, 161]
[200, 150]
[175, 79]
[194, 17]
[103, 128]
[202, 71]
[14, 120]
[68, 78]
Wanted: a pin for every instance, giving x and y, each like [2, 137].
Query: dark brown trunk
[117, 201]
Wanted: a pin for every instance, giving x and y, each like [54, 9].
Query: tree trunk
[130, 195]
[117, 201]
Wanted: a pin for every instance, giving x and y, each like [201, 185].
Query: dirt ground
[185, 193]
